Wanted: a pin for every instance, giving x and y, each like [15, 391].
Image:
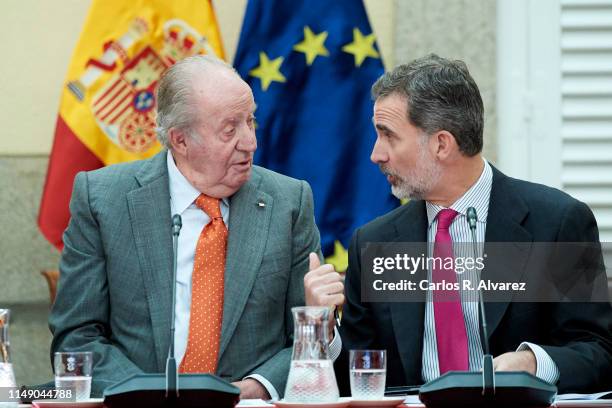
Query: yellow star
[268, 71]
[313, 45]
[361, 47]
[340, 257]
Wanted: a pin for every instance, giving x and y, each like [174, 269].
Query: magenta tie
[451, 335]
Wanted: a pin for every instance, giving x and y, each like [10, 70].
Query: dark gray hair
[441, 95]
[175, 108]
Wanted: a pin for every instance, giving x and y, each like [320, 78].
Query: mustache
[387, 172]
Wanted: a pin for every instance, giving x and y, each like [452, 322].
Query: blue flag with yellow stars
[311, 65]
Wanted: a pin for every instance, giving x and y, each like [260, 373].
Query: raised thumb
[314, 261]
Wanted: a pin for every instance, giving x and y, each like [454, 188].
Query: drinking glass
[368, 373]
[73, 370]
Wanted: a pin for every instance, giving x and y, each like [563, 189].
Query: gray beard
[418, 185]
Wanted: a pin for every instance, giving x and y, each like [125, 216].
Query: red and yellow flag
[107, 106]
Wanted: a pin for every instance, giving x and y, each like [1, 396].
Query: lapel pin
[261, 204]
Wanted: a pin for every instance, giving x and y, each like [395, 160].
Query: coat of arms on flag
[107, 107]
[123, 104]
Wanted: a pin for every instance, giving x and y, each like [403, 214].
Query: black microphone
[177, 224]
[486, 388]
[162, 389]
[472, 219]
[171, 369]
[488, 374]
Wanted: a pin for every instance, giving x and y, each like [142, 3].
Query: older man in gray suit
[242, 255]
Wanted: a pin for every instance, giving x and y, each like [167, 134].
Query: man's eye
[229, 130]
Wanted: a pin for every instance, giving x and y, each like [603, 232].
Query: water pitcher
[311, 376]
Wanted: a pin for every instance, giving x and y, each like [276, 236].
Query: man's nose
[378, 155]
[247, 141]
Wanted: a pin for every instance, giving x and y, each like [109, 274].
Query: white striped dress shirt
[478, 197]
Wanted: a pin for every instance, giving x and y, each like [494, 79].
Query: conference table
[562, 404]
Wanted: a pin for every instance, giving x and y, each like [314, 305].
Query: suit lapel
[149, 208]
[504, 224]
[248, 230]
[408, 317]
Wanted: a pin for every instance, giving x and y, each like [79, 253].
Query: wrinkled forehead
[394, 99]
[392, 107]
[220, 84]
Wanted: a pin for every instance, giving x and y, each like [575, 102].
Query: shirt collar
[476, 196]
[182, 193]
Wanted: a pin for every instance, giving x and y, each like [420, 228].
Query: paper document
[585, 397]
[412, 400]
[254, 403]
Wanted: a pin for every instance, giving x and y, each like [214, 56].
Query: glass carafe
[7, 376]
[311, 375]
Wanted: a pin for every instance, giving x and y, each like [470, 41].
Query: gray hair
[441, 95]
[174, 94]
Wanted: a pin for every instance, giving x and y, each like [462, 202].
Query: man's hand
[252, 389]
[323, 286]
[516, 361]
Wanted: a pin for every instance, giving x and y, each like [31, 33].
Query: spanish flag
[107, 105]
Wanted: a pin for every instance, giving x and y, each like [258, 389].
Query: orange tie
[206, 292]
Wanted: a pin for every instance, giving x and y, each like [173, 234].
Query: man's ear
[176, 140]
[446, 144]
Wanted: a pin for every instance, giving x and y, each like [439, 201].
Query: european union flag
[311, 65]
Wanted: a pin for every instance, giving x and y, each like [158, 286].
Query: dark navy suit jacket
[577, 336]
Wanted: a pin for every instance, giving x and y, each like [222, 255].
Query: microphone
[177, 224]
[472, 218]
[171, 368]
[489, 388]
[488, 374]
[162, 389]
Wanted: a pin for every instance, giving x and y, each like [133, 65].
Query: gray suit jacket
[115, 289]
